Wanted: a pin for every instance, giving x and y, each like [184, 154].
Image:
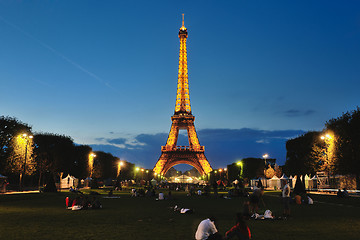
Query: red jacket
[237, 230]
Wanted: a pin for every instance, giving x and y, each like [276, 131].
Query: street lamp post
[91, 163]
[329, 141]
[120, 164]
[25, 157]
[265, 156]
[226, 172]
[220, 171]
[240, 164]
[137, 169]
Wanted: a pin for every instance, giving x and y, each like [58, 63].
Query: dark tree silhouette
[300, 154]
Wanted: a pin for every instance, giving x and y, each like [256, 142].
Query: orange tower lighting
[171, 154]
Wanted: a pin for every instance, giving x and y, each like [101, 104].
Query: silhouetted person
[240, 229]
[255, 198]
[286, 199]
[246, 209]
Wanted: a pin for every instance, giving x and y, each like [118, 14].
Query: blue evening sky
[105, 72]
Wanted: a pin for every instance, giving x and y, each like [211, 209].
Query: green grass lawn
[43, 216]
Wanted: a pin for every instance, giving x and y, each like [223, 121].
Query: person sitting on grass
[207, 230]
[240, 229]
[68, 202]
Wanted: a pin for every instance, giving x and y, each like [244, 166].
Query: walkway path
[22, 192]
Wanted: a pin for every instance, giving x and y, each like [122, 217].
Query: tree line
[32, 158]
[335, 150]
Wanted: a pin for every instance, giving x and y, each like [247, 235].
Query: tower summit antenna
[183, 24]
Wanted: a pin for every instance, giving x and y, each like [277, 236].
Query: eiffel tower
[171, 154]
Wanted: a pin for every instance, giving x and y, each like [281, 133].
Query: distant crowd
[207, 229]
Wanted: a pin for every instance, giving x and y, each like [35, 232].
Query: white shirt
[286, 191]
[205, 229]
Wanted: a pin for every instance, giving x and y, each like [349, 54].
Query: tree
[233, 171]
[336, 150]
[277, 171]
[301, 155]
[253, 167]
[21, 160]
[56, 153]
[127, 171]
[324, 152]
[299, 187]
[80, 169]
[270, 172]
[346, 129]
[9, 129]
[105, 165]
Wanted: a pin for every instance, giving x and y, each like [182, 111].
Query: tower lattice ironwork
[171, 154]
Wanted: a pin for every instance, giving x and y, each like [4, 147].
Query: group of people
[207, 230]
[83, 202]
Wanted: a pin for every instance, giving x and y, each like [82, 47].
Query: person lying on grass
[183, 210]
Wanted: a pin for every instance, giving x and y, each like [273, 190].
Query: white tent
[307, 180]
[254, 183]
[284, 177]
[283, 180]
[274, 182]
[294, 181]
[69, 181]
[291, 181]
[313, 182]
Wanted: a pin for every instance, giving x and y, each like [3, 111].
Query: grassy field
[43, 216]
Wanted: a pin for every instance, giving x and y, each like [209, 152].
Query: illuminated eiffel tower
[171, 154]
